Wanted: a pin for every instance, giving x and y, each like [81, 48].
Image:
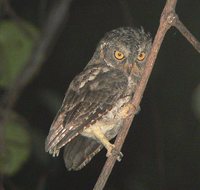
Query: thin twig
[186, 33]
[168, 19]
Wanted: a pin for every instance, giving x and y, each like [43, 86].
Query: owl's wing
[90, 95]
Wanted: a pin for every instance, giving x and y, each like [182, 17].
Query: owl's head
[125, 48]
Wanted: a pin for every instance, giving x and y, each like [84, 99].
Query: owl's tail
[79, 152]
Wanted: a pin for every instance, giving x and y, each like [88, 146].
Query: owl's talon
[114, 152]
[132, 107]
[119, 157]
[138, 109]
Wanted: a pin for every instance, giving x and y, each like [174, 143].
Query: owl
[98, 99]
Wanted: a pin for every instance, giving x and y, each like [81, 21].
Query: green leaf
[16, 147]
[16, 43]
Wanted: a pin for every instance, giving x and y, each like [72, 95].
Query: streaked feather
[86, 105]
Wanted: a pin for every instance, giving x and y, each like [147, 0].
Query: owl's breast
[110, 123]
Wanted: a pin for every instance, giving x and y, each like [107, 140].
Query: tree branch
[167, 20]
[186, 33]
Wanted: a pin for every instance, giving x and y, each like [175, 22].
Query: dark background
[162, 150]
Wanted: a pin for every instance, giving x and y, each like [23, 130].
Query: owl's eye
[118, 55]
[141, 56]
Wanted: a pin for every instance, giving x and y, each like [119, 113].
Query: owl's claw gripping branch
[112, 151]
[127, 110]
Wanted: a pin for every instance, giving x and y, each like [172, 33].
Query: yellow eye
[118, 55]
[141, 56]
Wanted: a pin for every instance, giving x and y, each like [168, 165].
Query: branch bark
[168, 19]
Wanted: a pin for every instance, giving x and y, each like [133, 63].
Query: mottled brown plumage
[97, 100]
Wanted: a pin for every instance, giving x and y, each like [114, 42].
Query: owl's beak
[135, 69]
[127, 67]
[131, 68]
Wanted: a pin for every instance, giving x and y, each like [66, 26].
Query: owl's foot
[112, 151]
[127, 110]
[138, 109]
